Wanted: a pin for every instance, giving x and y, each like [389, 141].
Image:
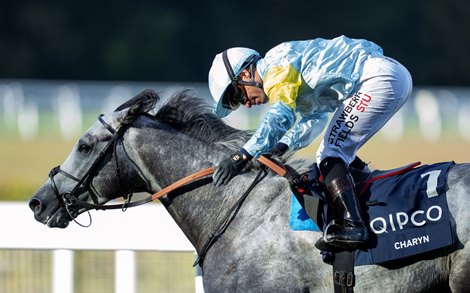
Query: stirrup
[323, 243]
[334, 245]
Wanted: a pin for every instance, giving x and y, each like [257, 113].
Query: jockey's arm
[274, 125]
[305, 131]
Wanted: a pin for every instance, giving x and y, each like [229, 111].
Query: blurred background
[64, 62]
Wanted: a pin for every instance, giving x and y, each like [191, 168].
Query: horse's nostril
[35, 205]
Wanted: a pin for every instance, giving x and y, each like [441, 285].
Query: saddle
[311, 193]
[405, 208]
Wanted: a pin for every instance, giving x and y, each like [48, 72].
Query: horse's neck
[165, 160]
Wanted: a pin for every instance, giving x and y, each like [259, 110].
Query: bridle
[70, 199]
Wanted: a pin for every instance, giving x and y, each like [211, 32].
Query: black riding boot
[347, 230]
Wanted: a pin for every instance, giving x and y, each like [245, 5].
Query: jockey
[349, 77]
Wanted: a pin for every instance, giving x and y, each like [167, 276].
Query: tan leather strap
[182, 182]
[273, 166]
[205, 172]
[188, 179]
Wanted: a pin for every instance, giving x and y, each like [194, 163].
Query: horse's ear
[133, 113]
[143, 102]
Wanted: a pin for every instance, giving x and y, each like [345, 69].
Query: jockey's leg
[385, 85]
[347, 230]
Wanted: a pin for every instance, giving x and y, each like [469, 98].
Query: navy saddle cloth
[406, 210]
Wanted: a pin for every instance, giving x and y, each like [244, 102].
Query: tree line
[146, 40]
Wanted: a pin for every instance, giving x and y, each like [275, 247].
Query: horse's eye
[84, 148]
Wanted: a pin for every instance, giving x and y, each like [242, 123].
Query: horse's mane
[193, 116]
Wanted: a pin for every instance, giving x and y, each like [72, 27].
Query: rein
[128, 204]
[236, 207]
[228, 219]
[70, 199]
[281, 171]
[178, 184]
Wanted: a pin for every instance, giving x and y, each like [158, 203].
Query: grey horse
[257, 251]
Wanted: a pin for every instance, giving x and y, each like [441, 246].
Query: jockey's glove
[230, 167]
[279, 149]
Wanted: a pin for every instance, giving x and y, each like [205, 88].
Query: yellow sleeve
[282, 84]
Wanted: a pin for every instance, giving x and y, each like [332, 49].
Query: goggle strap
[228, 67]
[251, 60]
[252, 83]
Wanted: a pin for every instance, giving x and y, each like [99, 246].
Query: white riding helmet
[224, 72]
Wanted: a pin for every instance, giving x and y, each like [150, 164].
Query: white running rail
[148, 228]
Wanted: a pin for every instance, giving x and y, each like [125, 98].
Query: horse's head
[91, 173]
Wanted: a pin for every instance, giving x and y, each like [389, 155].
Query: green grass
[25, 164]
